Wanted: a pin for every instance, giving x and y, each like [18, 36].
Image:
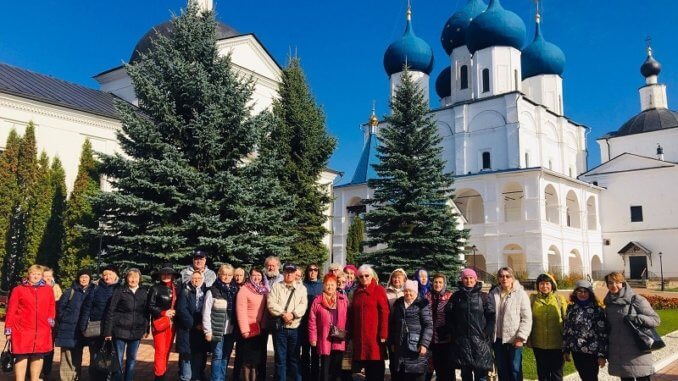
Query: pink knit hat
[412, 285]
[352, 268]
[468, 272]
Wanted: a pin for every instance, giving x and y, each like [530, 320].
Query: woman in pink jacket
[250, 310]
[330, 308]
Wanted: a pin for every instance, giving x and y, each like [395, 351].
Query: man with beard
[272, 266]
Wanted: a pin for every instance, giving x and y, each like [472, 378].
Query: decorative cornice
[62, 113]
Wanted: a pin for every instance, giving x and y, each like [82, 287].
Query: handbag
[255, 330]
[93, 329]
[337, 333]
[413, 342]
[161, 324]
[647, 339]
[106, 360]
[275, 323]
[6, 358]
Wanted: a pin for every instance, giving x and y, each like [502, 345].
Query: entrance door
[638, 265]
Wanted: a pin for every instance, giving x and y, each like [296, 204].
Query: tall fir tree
[51, 247]
[40, 207]
[185, 179]
[354, 240]
[411, 212]
[9, 191]
[301, 142]
[79, 248]
[17, 239]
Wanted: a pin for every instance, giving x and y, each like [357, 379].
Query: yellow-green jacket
[548, 314]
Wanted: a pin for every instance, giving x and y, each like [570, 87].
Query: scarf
[331, 302]
[40, 283]
[228, 291]
[260, 288]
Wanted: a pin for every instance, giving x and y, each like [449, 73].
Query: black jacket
[69, 306]
[470, 319]
[159, 299]
[127, 316]
[96, 303]
[416, 320]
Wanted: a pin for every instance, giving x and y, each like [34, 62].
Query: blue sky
[341, 45]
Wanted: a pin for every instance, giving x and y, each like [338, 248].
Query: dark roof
[40, 87]
[649, 120]
[146, 42]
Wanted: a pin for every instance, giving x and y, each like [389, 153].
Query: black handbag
[647, 339]
[106, 360]
[413, 342]
[93, 329]
[6, 358]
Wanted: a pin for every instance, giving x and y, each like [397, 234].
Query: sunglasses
[505, 276]
[313, 269]
[365, 276]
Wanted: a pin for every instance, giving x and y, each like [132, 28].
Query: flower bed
[661, 303]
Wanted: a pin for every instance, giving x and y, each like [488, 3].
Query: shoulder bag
[93, 329]
[6, 358]
[106, 360]
[275, 323]
[336, 333]
[647, 339]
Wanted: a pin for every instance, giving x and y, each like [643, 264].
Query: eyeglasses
[365, 276]
[582, 291]
[313, 269]
[505, 276]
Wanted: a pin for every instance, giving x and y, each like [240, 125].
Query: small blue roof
[541, 57]
[444, 83]
[409, 50]
[454, 32]
[495, 27]
[365, 170]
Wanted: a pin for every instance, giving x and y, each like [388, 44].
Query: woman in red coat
[368, 321]
[29, 322]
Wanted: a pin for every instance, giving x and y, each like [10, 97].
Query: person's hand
[382, 340]
[422, 350]
[245, 334]
[518, 343]
[313, 343]
[567, 357]
[170, 313]
[208, 337]
[108, 338]
[8, 337]
[145, 335]
[601, 362]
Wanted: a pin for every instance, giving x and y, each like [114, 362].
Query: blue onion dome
[495, 27]
[454, 32]
[410, 50]
[444, 83]
[651, 66]
[541, 57]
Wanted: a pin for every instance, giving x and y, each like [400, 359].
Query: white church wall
[644, 144]
[344, 197]
[504, 68]
[546, 90]
[461, 57]
[117, 82]
[58, 131]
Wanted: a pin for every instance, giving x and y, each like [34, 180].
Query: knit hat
[583, 283]
[468, 272]
[547, 278]
[112, 268]
[83, 271]
[352, 268]
[412, 285]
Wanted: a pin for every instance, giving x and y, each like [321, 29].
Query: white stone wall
[504, 67]
[644, 144]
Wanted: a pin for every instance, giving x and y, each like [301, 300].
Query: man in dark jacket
[191, 343]
[470, 318]
[68, 336]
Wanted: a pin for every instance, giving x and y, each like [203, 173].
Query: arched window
[487, 162]
[463, 77]
[486, 80]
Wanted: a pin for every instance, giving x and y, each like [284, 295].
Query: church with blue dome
[517, 158]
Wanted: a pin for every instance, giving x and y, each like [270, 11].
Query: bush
[661, 303]
[567, 281]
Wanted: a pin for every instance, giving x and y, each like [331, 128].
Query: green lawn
[669, 324]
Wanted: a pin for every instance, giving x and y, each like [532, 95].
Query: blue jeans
[221, 354]
[129, 348]
[286, 345]
[192, 365]
[508, 359]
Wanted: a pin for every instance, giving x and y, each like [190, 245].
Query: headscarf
[424, 289]
[261, 288]
[412, 285]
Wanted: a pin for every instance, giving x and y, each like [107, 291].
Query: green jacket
[548, 314]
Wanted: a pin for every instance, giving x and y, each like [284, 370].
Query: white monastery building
[521, 179]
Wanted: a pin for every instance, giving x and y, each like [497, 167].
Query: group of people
[325, 327]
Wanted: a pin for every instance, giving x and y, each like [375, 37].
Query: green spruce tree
[9, 191]
[40, 207]
[185, 179]
[80, 249]
[17, 239]
[354, 240]
[301, 142]
[51, 247]
[411, 211]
